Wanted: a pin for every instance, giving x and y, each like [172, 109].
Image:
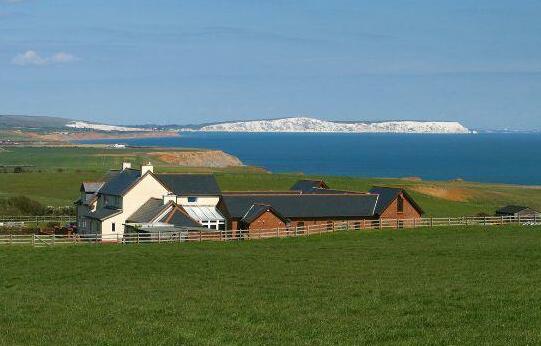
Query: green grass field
[59, 171]
[442, 286]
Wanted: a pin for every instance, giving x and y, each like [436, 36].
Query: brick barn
[312, 202]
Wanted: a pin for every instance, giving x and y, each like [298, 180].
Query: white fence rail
[20, 221]
[38, 240]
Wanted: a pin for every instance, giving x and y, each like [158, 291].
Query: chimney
[126, 165]
[169, 198]
[146, 168]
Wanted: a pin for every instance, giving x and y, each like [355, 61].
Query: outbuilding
[516, 211]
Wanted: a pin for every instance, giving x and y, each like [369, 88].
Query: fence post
[431, 222]
[519, 218]
[159, 237]
[200, 235]
[277, 232]
[53, 237]
[501, 220]
[449, 221]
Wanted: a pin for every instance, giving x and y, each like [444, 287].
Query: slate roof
[190, 184]
[303, 205]
[387, 195]
[306, 185]
[512, 209]
[91, 186]
[148, 211]
[89, 198]
[178, 217]
[321, 190]
[120, 181]
[103, 213]
[256, 210]
[154, 207]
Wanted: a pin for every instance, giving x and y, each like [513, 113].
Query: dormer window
[192, 199]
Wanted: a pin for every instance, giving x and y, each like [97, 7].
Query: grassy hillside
[445, 286]
[58, 172]
[32, 122]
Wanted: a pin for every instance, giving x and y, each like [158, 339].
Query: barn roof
[256, 210]
[387, 195]
[512, 209]
[303, 205]
[306, 185]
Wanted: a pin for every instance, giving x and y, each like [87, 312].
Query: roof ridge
[307, 194]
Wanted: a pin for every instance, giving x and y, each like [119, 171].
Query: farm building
[312, 202]
[516, 211]
[140, 200]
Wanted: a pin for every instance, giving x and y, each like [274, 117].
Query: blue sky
[478, 62]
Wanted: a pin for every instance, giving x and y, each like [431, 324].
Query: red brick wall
[392, 211]
[267, 220]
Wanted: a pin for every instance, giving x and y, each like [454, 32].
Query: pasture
[443, 286]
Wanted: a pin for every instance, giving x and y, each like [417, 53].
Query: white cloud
[31, 57]
[62, 58]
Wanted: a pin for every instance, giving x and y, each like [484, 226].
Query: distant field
[442, 286]
[58, 172]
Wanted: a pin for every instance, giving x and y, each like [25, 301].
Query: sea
[498, 158]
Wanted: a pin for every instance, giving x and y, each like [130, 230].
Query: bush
[25, 205]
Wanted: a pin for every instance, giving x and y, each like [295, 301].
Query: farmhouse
[132, 199]
[140, 200]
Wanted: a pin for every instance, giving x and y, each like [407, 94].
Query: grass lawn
[441, 286]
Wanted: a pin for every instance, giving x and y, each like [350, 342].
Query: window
[192, 199]
[113, 227]
[111, 201]
[400, 204]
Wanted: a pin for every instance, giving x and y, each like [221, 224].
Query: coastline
[96, 135]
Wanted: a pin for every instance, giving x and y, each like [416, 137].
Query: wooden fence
[21, 221]
[230, 235]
